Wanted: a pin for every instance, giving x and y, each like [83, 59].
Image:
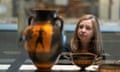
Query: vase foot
[43, 70]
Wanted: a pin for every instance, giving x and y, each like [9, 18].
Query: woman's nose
[83, 30]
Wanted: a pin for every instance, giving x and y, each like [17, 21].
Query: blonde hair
[95, 43]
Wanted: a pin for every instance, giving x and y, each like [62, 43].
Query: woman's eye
[80, 27]
[88, 28]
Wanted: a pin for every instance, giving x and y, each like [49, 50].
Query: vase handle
[59, 19]
[30, 20]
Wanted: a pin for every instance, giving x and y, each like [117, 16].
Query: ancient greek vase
[43, 38]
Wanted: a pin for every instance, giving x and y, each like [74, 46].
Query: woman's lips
[83, 35]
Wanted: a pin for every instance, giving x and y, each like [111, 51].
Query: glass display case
[14, 16]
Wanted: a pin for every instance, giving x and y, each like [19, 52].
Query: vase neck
[44, 15]
[41, 22]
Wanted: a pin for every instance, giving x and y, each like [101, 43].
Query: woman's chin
[83, 38]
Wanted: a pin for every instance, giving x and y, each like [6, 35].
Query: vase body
[43, 38]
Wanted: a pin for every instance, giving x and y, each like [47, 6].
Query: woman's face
[85, 30]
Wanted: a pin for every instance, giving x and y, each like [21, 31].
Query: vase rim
[39, 9]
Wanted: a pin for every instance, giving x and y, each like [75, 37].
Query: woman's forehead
[86, 22]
